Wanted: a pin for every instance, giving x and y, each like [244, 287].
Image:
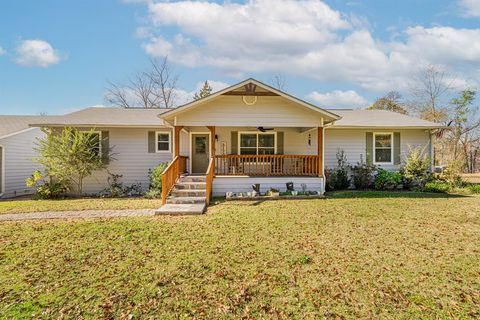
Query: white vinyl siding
[224, 184]
[230, 111]
[19, 162]
[132, 160]
[353, 142]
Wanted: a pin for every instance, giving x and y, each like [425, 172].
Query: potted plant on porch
[274, 193]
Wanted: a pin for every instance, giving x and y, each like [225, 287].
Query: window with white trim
[163, 141]
[383, 148]
[257, 143]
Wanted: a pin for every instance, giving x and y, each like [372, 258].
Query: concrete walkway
[77, 214]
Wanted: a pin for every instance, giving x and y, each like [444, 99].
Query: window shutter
[105, 143]
[396, 148]
[280, 143]
[369, 147]
[234, 142]
[151, 141]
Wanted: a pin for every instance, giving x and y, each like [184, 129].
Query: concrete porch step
[181, 209]
[188, 192]
[186, 200]
[190, 185]
[189, 178]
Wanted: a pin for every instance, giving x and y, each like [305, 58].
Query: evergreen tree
[204, 92]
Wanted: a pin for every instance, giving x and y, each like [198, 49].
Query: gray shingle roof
[380, 119]
[12, 124]
[104, 117]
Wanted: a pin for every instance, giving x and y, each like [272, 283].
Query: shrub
[387, 179]
[474, 188]
[155, 176]
[153, 194]
[436, 186]
[71, 155]
[337, 179]
[115, 187]
[451, 174]
[363, 174]
[416, 168]
[46, 187]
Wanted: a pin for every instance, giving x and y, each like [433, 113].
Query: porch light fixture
[309, 139]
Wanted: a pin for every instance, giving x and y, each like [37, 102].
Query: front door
[200, 153]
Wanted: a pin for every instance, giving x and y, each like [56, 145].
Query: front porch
[218, 154]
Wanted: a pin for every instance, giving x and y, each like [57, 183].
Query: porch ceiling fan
[262, 129]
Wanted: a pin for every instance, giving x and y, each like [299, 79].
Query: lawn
[344, 257]
[20, 206]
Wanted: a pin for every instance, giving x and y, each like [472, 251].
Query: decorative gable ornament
[250, 90]
[249, 103]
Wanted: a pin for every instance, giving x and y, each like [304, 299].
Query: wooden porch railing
[210, 175]
[267, 165]
[171, 174]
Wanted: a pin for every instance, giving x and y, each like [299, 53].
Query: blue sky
[56, 56]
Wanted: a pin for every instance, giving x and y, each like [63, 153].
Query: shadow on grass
[388, 194]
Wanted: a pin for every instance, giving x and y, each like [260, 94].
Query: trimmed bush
[387, 180]
[437, 187]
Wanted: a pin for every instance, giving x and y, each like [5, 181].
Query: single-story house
[17, 144]
[245, 134]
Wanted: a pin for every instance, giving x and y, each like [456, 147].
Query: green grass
[400, 257]
[21, 206]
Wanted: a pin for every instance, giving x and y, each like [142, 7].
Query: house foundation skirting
[236, 184]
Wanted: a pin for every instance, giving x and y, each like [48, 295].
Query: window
[257, 143]
[383, 148]
[95, 137]
[163, 141]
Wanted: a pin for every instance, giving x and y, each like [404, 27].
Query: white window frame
[169, 141]
[99, 138]
[2, 170]
[257, 133]
[375, 148]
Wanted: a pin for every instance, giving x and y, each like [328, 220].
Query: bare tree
[165, 82]
[278, 81]
[154, 88]
[429, 89]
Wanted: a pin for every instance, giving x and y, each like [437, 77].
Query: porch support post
[212, 145]
[320, 151]
[176, 135]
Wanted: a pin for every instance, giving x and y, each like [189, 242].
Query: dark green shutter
[105, 143]
[234, 142]
[396, 148]
[151, 141]
[280, 143]
[369, 147]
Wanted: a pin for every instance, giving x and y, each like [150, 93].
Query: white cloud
[338, 99]
[306, 38]
[470, 8]
[36, 53]
[2, 51]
